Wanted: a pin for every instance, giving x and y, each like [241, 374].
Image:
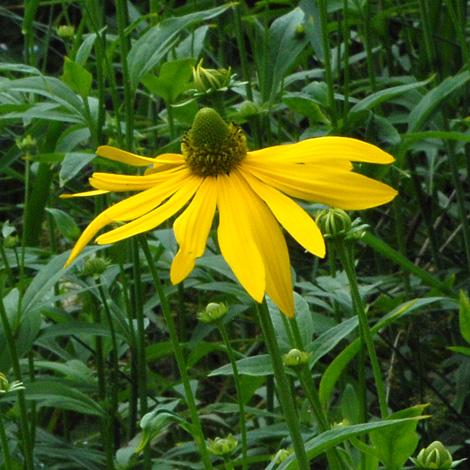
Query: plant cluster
[105, 363]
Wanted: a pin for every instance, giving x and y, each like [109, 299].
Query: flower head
[252, 191]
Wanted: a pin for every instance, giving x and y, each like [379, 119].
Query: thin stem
[327, 60]
[122, 20]
[4, 441]
[27, 444]
[284, 391]
[238, 387]
[345, 255]
[165, 306]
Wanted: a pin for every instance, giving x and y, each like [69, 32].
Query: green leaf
[77, 78]
[385, 95]
[332, 438]
[254, 366]
[395, 445]
[464, 317]
[284, 46]
[433, 99]
[59, 395]
[335, 369]
[153, 46]
[460, 350]
[72, 164]
[65, 224]
[84, 50]
[173, 80]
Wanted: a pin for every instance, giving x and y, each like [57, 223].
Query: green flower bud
[283, 454]
[222, 447]
[434, 456]
[95, 267]
[333, 222]
[12, 241]
[295, 357]
[8, 387]
[65, 32]
[209, 80]
[212, 313]
[27, 145]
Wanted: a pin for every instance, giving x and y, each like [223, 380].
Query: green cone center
[212, 147]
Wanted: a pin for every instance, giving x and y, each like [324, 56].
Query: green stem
[165, 306]
[5, 447]
[236, 378]
[122, 20]
[26, 442]
[345, 254]
[327, 60]
[380, 246]
[284, 391]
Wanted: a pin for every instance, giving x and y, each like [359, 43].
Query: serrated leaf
[153, 46]
[395, 445]
[173, 80]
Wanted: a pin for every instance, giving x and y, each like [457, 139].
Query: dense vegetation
[105, 364]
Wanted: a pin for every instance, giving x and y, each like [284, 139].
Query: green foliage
[117, 371]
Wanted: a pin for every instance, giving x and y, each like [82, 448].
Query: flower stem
[4, 443]
[165, 306]
[27, 444]
[284, 392]
[236, 378]
[345, 255]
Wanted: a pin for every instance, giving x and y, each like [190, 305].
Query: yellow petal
[111, 182]
[290, 215]
[235, 236]
[154, 218]
[128, 209]
[84, 194]
[253, 217]
[192, 228]
[335, 187]
[323, 149]
[118, 155]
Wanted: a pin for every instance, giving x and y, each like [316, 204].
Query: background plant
[89, 342]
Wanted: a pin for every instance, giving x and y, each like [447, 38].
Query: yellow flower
[252, 191]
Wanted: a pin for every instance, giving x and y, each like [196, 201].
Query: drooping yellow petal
[154, 218]
[111, 182]
[324, 149]
[236, 240]
[192, 228]
[290, 215]
[335, 187]
[272, 247]
[128, 209]
[118, 155]
[84, 194]
[166, 161]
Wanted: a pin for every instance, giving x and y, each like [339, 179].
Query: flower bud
[222, 447]
[95, 267]
[11, 241]
[209, 80]
[7, 387]
[65, 32]
[212, 313]
[434, 456]
[333, 222]
[27, 145]
[295, 357]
